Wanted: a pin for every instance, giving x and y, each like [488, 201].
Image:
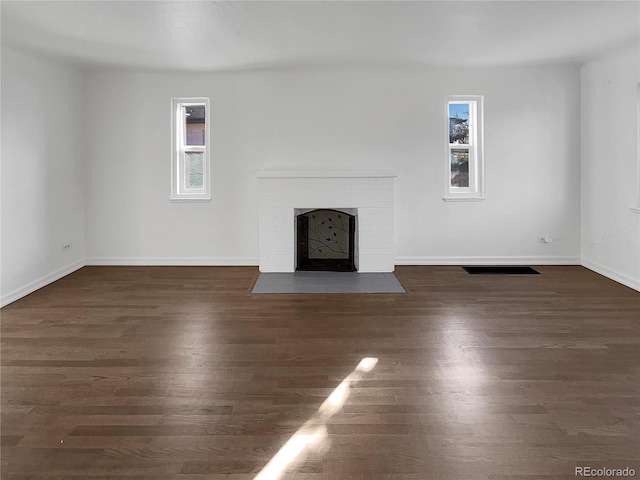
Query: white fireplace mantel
[325, 173]
[369, 192]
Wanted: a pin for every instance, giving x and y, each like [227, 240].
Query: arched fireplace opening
[326, 241]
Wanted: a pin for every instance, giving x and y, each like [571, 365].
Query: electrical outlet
[66, 247]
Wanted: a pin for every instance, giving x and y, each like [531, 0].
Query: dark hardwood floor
[181, 373]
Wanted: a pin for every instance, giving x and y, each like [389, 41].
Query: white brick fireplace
[283, 193]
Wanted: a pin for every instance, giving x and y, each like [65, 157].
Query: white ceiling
[213, 36]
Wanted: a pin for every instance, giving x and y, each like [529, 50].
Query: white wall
[336, 117]
[610, 233]
[42, 172]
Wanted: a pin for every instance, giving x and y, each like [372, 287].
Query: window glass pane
[195, 123]
[459, 168]
[194, 169]
[459, 123]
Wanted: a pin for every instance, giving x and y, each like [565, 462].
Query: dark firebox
[326, 241]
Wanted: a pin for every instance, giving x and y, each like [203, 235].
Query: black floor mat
[502, 270]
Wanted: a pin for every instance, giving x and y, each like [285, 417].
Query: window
[464, 156]
[190, 149]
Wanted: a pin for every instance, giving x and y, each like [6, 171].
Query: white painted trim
[186, 199]
[464, 199]
[637, 209]
[40, 282]
[612, 274]
[175, 261]
[219, 261]
[488, 260]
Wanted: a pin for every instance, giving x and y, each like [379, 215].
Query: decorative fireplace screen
[326, 241]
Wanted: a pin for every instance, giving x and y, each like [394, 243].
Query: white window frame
[475, 190]
[180, 191]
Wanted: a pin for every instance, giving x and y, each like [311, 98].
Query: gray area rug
[327, 282]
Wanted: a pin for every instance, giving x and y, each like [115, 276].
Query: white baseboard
[213, 261]
[488, 260]
[174, 261]
[40, 282]
[614, 275]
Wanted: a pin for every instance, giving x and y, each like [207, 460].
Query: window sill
[186, 200]
[464, 199]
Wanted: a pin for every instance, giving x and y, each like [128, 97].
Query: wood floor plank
[143, 373]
